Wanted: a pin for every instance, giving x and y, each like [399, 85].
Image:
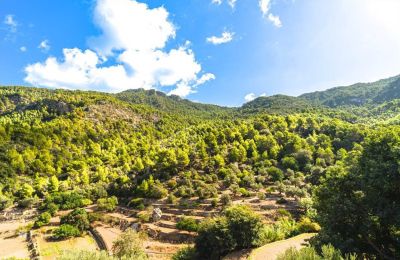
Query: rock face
[157, 214]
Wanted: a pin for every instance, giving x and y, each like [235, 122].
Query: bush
[328, 252]
[238, 228]
[214, 239]
[66, 231]
[275, 173]
[172, 199]
[42, 220]
[129, 245]
[188, 224]
[244, 192]
[77, 218]
[305, 225]
[107, 204]
[187, 253]
[144, 216]
[245, 226]
[214, 203]
[136, 203]
[226, 200]
[84, 255]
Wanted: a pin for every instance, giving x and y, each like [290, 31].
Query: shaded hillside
[358, 94]
[173, 104]
[278, 104]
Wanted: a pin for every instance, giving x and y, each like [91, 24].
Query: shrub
[136, 203]
[172, 199]
[261, 195]
[283, 213]
[226, 200]
[245, 226]
[188, 224]
[186, 253]
[42, 220]
[244, 192]
[144, 216]
[328, 252]
[77, 218]
[107, 204]
[84, 255]
[157, 191]
[214, 203]
[66, 231]
[129, 245]
[275, 173]
[214, 239]
[306, 225]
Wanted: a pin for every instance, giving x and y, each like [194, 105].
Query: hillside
[359, 94]
[173, 104]
[118, 157]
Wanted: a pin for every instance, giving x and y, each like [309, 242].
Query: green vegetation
[66, 231]
[107, 204]
[78, 218]
[129, 245]
[328, 252]
[334, 153]
[42, 220]
[188, 224]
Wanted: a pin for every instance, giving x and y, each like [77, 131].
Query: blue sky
[206, 50]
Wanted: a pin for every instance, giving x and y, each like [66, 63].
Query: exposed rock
[157, 214]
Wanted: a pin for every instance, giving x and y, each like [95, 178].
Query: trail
[272, 250]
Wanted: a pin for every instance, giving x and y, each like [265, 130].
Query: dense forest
[337, 152]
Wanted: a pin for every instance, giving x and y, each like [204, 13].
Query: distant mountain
[278, 104]
[172, 104]
[359, 94]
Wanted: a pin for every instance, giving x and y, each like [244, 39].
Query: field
[12, 245]
[49, 248]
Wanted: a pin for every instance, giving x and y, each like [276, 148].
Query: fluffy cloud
[224, 38]
[275, 20]
[135, 37]
[251, 96]
[44, 45]
[23, 49]
[265, 6]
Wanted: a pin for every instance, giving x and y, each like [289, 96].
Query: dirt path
[272, 250]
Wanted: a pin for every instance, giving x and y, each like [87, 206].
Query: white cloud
[44, 45]
[275, 20]
[23, 49]
[224, 38]
[251, 96]
[183, 89]
[11, 23]
[217, 2]
[265, 6]
[135, 37]
[232, 3]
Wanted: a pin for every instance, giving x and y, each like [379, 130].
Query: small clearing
[12, 245]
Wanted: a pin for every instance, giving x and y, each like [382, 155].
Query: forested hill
[359, 94]
[173, 104]
[377, 102]
[63, 149]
